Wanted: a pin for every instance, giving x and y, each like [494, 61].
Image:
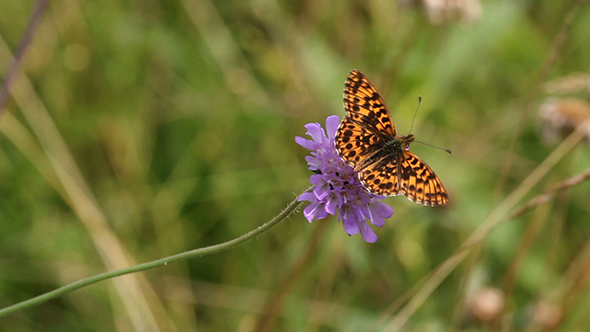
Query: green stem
[160, 262]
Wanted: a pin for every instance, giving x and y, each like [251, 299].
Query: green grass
[144, 129]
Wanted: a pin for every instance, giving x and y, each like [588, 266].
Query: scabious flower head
[336, 185]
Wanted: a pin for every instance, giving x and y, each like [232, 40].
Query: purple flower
[336, 185]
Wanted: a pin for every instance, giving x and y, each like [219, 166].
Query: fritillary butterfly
[367, 140]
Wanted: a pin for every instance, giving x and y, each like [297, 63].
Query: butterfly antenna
[436, 147]
[412, 127]
[415, 113]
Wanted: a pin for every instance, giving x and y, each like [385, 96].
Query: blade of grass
[276, 302]
[226, 51]
[83, 203]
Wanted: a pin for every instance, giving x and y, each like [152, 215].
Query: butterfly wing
[361, 140]
[407, 175]
[367, 123]
[364, 105]
[382, 177]
[355, 143]
[419, 183]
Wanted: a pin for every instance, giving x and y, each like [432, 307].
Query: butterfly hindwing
[382, 177]
[419, 183]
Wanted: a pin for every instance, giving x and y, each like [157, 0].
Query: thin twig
[22, 50]
[496, 218]
[550, 61]
[550, 194]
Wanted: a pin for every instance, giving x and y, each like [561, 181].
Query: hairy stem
[292, 207]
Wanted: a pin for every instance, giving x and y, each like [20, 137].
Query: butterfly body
[392, 147]
[398, 143]
[367, 140]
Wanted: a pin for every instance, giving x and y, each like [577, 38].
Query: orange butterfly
[367, 140]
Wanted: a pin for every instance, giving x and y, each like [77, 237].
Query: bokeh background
[141, 129]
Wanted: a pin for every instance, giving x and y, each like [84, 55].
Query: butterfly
[367, 140]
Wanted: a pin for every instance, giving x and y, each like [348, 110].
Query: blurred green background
[141, 129]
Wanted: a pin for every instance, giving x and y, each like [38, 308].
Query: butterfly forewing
[367, 140]
[355, 143]
[364, 105]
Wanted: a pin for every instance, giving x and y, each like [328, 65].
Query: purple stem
[22, 50]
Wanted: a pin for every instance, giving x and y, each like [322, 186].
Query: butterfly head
[406, 140]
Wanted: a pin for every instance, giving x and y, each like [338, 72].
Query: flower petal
[310, 145]
[317, 179]
[332, 204]
[315, 131]
[321, 191]
[337, 190]
[314, 211]
[380, 208]
[367, 232]
[307, 196]
[332, 124]
[350, 225]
